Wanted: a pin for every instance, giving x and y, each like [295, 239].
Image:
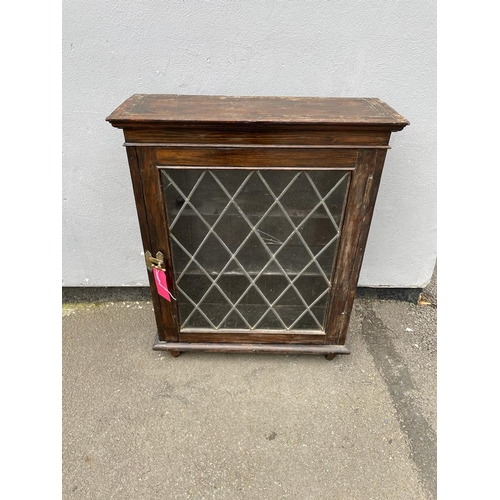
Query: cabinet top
[142, 109]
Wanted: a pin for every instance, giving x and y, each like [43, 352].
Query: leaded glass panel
[253, 249]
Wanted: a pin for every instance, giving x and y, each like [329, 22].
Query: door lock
[157, 262]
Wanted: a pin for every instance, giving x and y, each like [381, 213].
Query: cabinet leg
[330, 356]
[175, 354]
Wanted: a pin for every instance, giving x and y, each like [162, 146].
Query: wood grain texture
[257, 134]
[288, 147]
[318, 350]
[158, 239]
[135, 174]
[168, 108]
[257, 157]
[252, 337]
[359, 210]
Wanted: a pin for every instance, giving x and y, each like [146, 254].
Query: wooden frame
[350, 135]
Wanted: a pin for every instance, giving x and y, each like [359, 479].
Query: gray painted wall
[112, 49]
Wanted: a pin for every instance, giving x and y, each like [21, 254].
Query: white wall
[112, 49]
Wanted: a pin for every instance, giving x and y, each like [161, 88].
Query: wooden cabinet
[254, 214]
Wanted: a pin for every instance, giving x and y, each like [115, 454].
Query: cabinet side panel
[135, 175]
[155, 221]
[360, 204]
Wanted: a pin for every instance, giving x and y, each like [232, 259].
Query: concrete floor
[139, 424]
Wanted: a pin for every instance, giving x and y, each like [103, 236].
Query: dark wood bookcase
[254, 214]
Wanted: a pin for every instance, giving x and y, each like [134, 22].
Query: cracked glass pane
[253, 249]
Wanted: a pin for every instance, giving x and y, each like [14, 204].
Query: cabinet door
[251, 244]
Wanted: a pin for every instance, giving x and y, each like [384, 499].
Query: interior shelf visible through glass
[253, 249]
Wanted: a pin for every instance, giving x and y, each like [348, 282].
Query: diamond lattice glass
[253, 250]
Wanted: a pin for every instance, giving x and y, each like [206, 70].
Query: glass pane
[253, 249]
